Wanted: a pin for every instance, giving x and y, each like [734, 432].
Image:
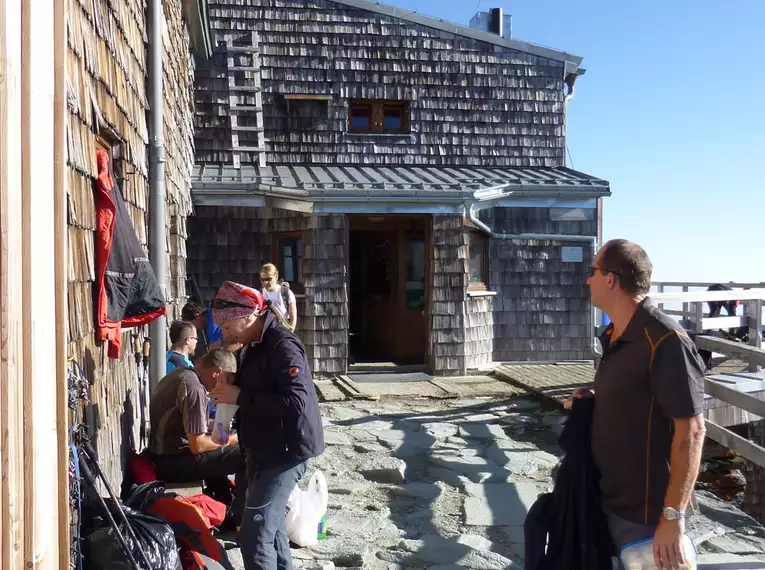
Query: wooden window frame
[297, 287]
[482, 285]
[377, 110]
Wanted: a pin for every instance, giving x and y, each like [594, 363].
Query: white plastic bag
[305, 510]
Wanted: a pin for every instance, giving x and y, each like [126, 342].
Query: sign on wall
[571, 254]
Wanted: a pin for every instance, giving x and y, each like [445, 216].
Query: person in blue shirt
[183, 343]
[211, 336]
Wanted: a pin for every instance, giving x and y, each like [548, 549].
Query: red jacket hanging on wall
[127, 293]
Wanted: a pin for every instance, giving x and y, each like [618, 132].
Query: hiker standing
[279, 425]
[279, 294]
[648, 423]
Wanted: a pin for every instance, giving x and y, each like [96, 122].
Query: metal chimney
[494, 21]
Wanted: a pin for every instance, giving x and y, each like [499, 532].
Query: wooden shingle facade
[107, 109]
[470, 102]
[372, 135]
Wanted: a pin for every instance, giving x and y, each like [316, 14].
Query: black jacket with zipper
[570, 519]
[278, 417]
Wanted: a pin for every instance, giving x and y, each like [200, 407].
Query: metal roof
[319, 179]
[572, 61]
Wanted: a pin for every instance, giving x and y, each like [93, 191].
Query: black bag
[154, 536]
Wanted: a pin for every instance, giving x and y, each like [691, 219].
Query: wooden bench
[185, 489]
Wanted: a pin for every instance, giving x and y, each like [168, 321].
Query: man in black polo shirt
[648, 427]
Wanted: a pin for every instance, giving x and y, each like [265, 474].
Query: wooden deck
[555, 381]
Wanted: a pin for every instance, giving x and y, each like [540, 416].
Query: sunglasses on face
[266, 279]
[604, 271]
[222, 304]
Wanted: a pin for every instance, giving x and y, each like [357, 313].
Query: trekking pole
[90, 456]
[280, 317]
[88, 476]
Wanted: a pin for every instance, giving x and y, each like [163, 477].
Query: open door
[388, 282]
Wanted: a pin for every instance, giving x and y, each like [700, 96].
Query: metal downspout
[157, 239]
[470, 212]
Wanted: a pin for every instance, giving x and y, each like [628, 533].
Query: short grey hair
[219, 358]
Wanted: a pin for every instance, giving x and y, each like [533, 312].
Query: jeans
[262, 536]
[211, 466]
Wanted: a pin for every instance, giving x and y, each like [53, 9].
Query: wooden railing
[694, 305]
[752, 353]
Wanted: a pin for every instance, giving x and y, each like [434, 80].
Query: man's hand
[233, 439]
[578, 393]
[667, 544]
[224, 393]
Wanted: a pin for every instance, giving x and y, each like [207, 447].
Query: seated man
[183, 343]
[180, 447]
[202, 318]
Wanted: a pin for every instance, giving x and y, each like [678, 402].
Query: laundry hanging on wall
[127, 294]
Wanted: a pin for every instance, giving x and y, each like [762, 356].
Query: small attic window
[306, 112]
[380, 117]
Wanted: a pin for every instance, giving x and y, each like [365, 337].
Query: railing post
[754, 310]
[699, 309]
[661, 290]
[685, 305]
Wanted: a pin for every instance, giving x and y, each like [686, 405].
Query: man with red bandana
[279, 423]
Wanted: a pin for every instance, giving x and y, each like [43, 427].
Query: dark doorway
[388, 282]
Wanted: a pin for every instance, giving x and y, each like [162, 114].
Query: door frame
[402, 225]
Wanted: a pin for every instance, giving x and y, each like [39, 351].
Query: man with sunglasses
[648, 423]
[280, 427]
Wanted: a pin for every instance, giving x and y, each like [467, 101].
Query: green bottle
[322, 528]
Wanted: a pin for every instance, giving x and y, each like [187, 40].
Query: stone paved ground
[444, 484]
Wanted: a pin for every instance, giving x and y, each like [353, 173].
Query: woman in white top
[280, 295]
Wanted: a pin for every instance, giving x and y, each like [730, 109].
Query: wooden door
[411, 327]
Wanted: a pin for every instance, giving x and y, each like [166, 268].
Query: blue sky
[671, 112]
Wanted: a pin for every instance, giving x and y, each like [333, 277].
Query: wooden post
[754, 310]
[61, 277]
[38, 299]
[11, 359]
[699, 315]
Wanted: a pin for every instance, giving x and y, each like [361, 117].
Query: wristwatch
[672, 514]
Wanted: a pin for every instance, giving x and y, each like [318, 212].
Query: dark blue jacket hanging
[570, 519]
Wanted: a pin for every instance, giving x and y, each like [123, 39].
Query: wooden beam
[306, 97]
[734, 397]
[732, 284]
[731, 348]
[11, 358]
[61, 276]
[692, 297]
[708, 323]
[736, 443]
[39, 292]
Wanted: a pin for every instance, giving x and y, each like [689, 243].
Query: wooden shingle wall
[479, 331]
[232, 243]
[472, 103]
[106, 68]
[447, 310]
[542, 310]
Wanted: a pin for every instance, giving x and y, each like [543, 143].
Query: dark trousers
[262, 536]
[211, 466]
[624, 532]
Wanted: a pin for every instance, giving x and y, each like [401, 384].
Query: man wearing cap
[280, 426]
